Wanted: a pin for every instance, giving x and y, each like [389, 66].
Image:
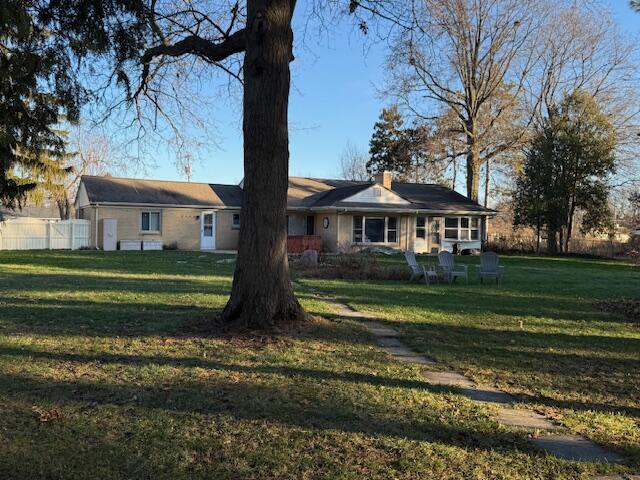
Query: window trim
[363, 234]
[151, 232]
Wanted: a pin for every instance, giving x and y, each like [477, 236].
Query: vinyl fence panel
[43, 234]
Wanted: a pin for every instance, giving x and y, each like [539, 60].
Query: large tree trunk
[64, 207]
[552, 241]
[262, 295]
[473, 169]
[487, 181]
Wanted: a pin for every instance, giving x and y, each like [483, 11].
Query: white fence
[43, 234]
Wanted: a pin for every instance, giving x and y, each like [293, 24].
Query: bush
[353, 266]
[170, 246]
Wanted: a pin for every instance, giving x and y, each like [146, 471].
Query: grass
[106, 372]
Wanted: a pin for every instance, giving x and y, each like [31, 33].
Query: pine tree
[566, 170]
[389, 147]
[37, 88]
[49, 174]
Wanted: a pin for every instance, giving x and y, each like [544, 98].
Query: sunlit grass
[108, 371]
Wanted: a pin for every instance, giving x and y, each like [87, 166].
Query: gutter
[161, 205]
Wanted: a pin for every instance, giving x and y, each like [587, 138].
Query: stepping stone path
[488, 395]
[514, 417]
[574, 447]
[450, 379]
[568, 447]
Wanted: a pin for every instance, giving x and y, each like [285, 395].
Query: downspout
[96, 228]
[344, 210]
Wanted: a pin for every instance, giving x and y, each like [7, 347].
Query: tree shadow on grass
[292, 373]
[264, 402]
[94, 285]
[165, 262]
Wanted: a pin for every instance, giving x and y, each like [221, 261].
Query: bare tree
[353, 164]
[582, 49]
[90, 152]
[469, 57]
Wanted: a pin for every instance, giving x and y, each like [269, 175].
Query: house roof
[160, 192]
[303, 193]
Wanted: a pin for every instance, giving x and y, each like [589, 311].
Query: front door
[434, 235]
[420, 244]
[208, 231]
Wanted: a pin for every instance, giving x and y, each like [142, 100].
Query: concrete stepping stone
[400, 350]
[391, 342]
[345, 311]
[384, 332]
[488, 395]
[514, 417]
[372, 324]
[576, 448]
[452, 379]
[417, 359]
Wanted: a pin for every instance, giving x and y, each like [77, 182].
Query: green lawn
[107, 371]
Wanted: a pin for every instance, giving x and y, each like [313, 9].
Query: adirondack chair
[418, 271]
[450, 270]
[489, 267]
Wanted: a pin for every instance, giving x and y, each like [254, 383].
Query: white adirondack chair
[489, 267]
[450, 270]
[418, 271]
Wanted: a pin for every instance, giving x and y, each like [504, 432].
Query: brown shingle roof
[302, 193]
[159, 192]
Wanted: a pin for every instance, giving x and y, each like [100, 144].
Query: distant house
[334, 213]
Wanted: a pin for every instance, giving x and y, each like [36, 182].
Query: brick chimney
[384, 179]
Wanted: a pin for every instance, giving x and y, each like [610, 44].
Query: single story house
[334, 214]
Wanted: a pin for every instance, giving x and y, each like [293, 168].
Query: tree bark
[64, 207]
[473, 169]
[552, 241]
[487, 181]
[262, 295]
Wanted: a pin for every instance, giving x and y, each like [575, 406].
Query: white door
[421, 242]
[208, 231]
[110, 232]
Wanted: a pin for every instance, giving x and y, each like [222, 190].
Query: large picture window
[375, 229]
[150, 222]
[462, 228]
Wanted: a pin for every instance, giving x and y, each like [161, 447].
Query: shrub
[353, 266]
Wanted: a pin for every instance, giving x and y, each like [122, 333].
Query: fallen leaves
[45, 416]
[629, 307]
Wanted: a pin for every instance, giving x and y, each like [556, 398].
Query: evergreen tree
[532, 186]
[50, 174]
[389, 147]
[37, 88]
[566, 170]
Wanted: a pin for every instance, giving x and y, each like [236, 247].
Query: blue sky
[334, 100]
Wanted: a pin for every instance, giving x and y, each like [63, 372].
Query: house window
[311, 220]
[235, 222]
[462, 228]
[150, 222]
[375, 229]
[421, 227]
[392, 229]
[357, 229]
